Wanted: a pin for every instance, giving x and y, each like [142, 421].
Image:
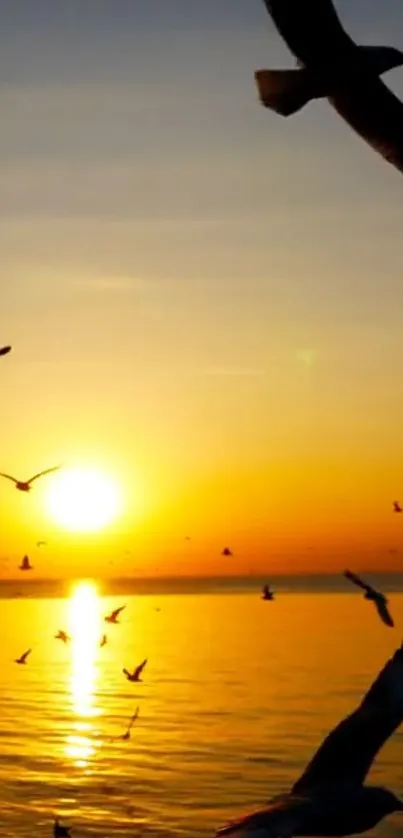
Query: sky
[204, 299]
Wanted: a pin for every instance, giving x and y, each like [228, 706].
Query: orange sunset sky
[205, 300]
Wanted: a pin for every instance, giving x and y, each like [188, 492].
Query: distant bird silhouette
[41, 543]
[23, 658]
[103, 641]
[375, 596]
[126, 736]
[226, 552]
[25, 485]
[62, 635]
[330, 798]
[332, 66]
[267, 593]
[396, 506]
[135, 675]
[4, 350]
[113, 616]
[25, 564]
[60, 831]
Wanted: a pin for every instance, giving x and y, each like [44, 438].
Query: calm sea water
[237, 693]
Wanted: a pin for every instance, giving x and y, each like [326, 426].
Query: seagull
[226, 552]
[23, 658]
[104, 641]
[126, 736]
[62, 635]
[4, 350]
[135, 675]
[267, 593]
[330, 797]
[25, 485]
[375, 596]
[60, 831]
[25, 564]
[113, 616]
[396, 506]
[332, 66]
[41, 543]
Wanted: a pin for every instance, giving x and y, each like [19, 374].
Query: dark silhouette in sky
[113, 617]
[25, 485]
[333, 66]
[267, 593]
[62, 635]
[379, 600]
[135, 675]
[396, 506]
[4, 350]
[330, 797]
[23, 659]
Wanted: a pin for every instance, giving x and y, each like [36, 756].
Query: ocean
[236, 695]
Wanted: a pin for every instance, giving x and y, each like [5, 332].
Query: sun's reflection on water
[84, 617]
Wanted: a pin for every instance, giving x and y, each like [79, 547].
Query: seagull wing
[41, 473]
[25, 655]
[8, 477]
[376, 114]
[5, 350]
[133, 718]
[359, 582]
[140, 668]
[280, 819]
[383, 611]
[347, 753]
[312, 30]
[127, 673]
[117, 611]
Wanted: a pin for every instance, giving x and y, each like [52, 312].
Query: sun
[83, 499]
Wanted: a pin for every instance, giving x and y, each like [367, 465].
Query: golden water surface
[235, 696]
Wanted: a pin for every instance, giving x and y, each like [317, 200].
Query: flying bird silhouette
[104, 641]
[125, 736]
[23, 658]
[330, 797]
[60, 831]
[4, 350]
[375, 596]
[62, 635]
[226, 552]
[267, 593]
[113, 616]
[25, 485]
[396, 506]
[41, 543]
[135, 675]
[25, 564]
[332, 66]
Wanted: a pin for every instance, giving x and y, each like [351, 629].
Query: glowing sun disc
[83, 499]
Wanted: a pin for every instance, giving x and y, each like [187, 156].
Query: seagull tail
[285, 91]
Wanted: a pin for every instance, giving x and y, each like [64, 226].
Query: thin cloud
[235, 371]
